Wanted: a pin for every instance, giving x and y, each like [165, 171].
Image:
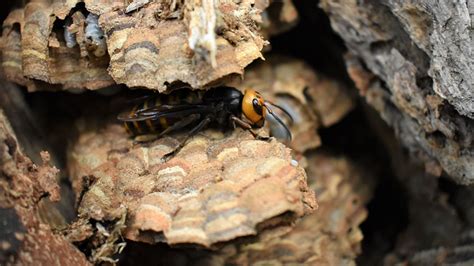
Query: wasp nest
[221, 186]
[330, 236]
[93, 44]
[221, 189]
[215, 189]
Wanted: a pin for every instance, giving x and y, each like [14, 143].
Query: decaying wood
[31, 138]
[438, 219]
[462, 254]
[442, 34]
[29, 133]
[151, 45]
[412, 62]
[280, 16]
[25, 239]
[214, 190]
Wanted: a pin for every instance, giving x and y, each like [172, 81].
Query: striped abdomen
[157, 125]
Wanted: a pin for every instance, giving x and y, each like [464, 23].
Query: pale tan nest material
[329, 236]
[214, 190]
[159, 43]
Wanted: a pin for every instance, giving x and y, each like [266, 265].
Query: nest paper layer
[214, 190]
[154, 44]
[329, 236]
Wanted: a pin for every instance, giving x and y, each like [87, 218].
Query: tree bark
[28, 221]
[412, 60]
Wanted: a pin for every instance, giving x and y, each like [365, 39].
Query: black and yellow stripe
[150, 126]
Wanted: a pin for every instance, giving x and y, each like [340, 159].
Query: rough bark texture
[25, 238]
[413, 62]
[436, 228]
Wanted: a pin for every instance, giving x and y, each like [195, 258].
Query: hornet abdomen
[160, 102]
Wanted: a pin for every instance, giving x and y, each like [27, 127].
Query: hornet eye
[257, 107]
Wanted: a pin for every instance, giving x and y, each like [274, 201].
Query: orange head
[253, 107]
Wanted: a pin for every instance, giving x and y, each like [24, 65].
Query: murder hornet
[161, 114]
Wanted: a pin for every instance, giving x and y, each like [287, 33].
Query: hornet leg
[248, 127]
[193, 131]
[178, 125]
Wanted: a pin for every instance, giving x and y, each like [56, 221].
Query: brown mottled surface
[11, 48]
[329, 236]
[214, 190]
[152, 46]
[32, 54]
[22, 185]
[279, 17]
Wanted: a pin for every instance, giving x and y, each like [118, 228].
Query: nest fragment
[153, 45]
[214, 190]
[329, 236]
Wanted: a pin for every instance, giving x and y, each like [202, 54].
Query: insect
[223, 106]
[94, 36]
[95, 39]
[69, 36]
